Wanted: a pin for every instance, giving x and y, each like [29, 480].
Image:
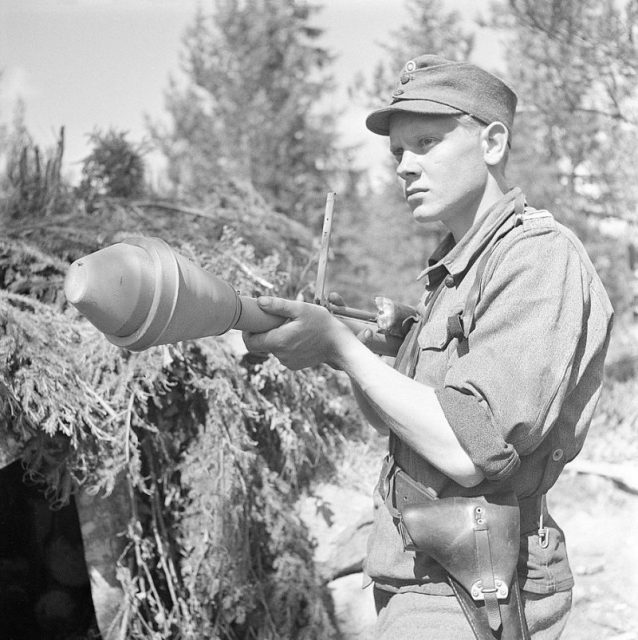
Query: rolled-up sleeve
[504, 392]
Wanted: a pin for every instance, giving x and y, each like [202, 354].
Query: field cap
[434, 85]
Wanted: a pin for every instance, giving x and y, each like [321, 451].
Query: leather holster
[476, 540]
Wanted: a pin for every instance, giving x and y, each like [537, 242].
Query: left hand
[311, 335]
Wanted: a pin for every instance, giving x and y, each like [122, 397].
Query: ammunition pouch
[476, 540]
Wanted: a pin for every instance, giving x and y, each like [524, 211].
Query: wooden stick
[322, 267]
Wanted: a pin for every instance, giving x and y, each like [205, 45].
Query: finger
[255, 342]
[336, 298]
[279, 306]
[365, 336]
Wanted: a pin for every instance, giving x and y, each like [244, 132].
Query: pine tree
[114, 168]
[429, 28]
[256, 76]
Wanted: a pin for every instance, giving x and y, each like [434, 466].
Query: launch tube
[140, 293]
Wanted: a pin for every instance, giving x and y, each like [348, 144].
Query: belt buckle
[543, 532]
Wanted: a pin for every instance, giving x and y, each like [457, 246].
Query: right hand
[309, 336]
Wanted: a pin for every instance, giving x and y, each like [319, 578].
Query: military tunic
[512, 332]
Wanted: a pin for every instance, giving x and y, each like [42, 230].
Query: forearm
[411, 409]
[407, 407]
[369, 412]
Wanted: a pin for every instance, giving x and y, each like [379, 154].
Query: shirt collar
[450, 258]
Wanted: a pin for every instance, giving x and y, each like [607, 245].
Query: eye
[427, 142]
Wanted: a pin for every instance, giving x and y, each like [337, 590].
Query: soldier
[493, 389]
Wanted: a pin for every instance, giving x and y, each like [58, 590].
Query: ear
[494, 139]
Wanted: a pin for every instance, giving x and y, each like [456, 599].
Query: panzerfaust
[141, 293]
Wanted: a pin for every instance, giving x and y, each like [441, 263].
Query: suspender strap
[405, 363]
[467, 316]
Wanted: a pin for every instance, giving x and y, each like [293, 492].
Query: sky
[98, 64]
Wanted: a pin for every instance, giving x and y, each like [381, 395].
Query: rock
[339, 519]
[354, 607]
[103, 520]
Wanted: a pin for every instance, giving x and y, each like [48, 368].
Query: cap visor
[379, 121]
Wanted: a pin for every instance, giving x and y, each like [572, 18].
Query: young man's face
[440, 162]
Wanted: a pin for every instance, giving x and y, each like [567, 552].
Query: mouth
[415, 192]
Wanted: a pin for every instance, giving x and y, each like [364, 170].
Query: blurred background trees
[257, 77]
[114, 168]
[430, 27]
[379, 218]
[254, 119]
[574, 65]
[31, 182]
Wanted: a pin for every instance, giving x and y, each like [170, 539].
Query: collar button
[449, 282]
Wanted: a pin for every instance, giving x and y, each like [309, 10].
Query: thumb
[335, 298]
[278, 306]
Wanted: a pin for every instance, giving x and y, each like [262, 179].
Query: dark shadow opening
[44, 583]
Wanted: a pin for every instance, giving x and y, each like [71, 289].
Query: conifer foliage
[430, 27]
[32, 181]
[115, 168]
[207, 448]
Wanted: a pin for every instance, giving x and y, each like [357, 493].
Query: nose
[408, 166]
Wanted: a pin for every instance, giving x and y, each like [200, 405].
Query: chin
[425, 216]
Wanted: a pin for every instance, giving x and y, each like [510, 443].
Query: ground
[600, 523]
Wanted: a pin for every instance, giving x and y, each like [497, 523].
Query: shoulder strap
[461, 324]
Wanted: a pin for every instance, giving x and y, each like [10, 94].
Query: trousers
[418, 616]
